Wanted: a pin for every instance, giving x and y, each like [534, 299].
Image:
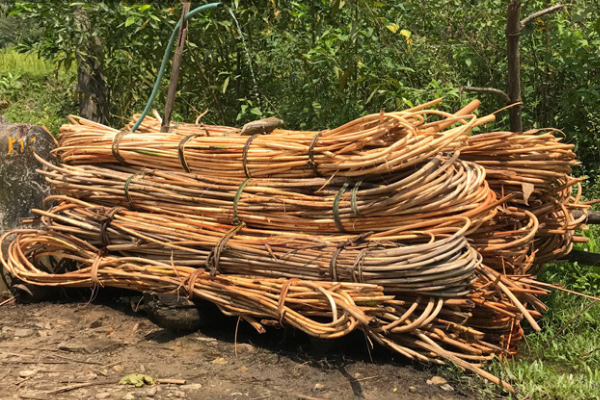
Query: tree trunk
[583, 257]
[513, 31]
[91, 86]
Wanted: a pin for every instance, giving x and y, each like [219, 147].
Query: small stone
[151, 391]
[22, 332]
[192, 386]
[447, 387]
[129, 396]
[103, 395]
[319, 386]
[91, 376]
[28, 373]
[357, 375]
[246, 348]
[235, 394]
[96, 324]
[412, 389]
[118, 368]
[43, 333]
[43, 325]
[244, 369]
[436, 380]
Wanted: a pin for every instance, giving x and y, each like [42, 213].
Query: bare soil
[81, 350]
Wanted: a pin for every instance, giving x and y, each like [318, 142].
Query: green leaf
[137, 380]
[393, 28]
[145, 7]
[225, 84]
[408, 102]
[344, 78]
[130, 21]
[371, 96]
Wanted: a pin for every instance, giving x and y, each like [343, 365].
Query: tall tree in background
[101, 39]
[91, 85]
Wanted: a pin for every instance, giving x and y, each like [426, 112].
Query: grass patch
[34, 92]
[562, 362]
[14, 62]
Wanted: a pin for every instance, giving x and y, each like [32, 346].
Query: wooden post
[513, 33]
[172, 91]
[514, 27]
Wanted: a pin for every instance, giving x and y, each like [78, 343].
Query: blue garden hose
[165, 60]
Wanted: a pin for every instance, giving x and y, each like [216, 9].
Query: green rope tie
[236, 220]
[126, 189]
[353, 200]
[115, 147]
[181, 150]
[336, 204]
[311, 153]
[245, 154]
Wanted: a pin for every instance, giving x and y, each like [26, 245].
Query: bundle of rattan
[434, 262]
[535, 169]
[498, 318]
[506, 242]
[425, 196]
[375, 144]
[425, 328]
[153, 125]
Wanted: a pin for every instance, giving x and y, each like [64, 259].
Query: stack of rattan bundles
[383, 203]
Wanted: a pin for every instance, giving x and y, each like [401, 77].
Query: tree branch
[592, 219]
[538, 14]
[488, 90]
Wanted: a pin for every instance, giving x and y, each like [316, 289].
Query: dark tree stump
[21, 187]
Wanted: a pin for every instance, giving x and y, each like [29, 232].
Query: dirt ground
[81, 350]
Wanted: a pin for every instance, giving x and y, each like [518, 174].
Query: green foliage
[562, 361]
[12, 31]
[35, 93]
[40, 100]
[321, 63]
